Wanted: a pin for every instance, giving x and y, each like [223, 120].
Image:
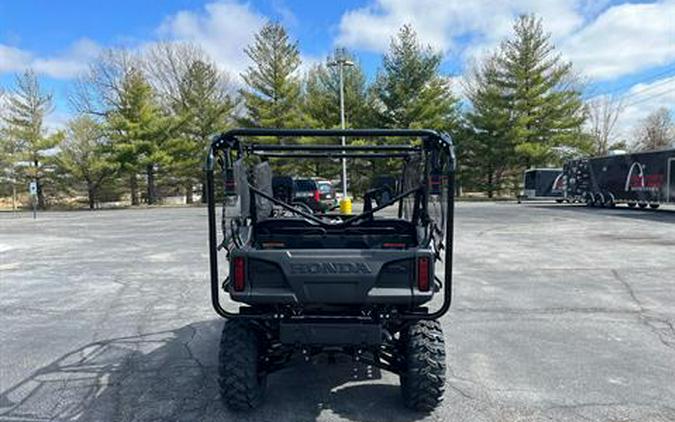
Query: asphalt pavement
[560, 313]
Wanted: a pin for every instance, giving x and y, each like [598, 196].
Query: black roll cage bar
[230, 140]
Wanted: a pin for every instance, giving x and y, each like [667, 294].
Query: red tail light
[435, 184]
[238, 273]
[391, 245]
[423, 273]
[317, 196]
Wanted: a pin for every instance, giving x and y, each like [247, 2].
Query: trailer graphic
[635, 181]
[558, 184]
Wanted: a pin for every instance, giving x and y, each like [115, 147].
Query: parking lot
[560, 313]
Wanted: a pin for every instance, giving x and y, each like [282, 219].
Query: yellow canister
[345, 206]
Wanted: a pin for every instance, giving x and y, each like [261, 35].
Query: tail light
[434, 185]
[230, 186]
[423, 273]
[392, 245]
[238, 273]
[317, 196]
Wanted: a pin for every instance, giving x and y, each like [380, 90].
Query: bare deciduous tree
[99, 89]
[603, 113]
[656, 131]
[168, 66]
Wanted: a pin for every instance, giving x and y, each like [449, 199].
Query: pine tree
[409, 92]
[27, 108]
[273, 95]
[85, 157]
[205, 107]
[546, 107]
[139, 130]
[486, 149]
[199, 96]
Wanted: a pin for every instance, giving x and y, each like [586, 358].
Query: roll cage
[233, 145]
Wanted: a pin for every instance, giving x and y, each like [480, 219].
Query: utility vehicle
[310, 282]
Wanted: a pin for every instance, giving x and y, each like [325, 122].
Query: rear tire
[242, 383]
[423, 378]
[654, 206]
[631, 205]
[609, 202]
[599, 200]
[589, 200]
[642, 205]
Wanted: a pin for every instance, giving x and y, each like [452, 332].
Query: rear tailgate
[332, 276]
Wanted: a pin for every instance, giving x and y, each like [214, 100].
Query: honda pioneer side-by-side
[309, 281]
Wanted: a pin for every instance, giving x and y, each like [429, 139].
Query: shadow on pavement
[658, 215]
[172, 376]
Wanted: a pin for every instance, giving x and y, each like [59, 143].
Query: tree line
[143, 119]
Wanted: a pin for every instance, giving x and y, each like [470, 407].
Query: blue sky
[626, 49]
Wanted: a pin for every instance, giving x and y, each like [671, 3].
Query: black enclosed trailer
[542, 183]
[640, 179]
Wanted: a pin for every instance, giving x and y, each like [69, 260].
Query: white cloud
[70, 64]
[641, 100]
[61, 66]
[13, 59]
[443, 23]
[221, 29]
[603, 42]
[624, 39]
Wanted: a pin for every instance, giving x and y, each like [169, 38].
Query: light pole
[341, 62]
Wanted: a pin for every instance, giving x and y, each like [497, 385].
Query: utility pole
[341, 62]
